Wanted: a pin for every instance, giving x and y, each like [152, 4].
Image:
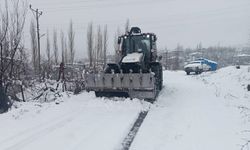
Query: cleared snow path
[191, 115]
[80, 122]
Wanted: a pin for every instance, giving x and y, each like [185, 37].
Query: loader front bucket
[133, 85]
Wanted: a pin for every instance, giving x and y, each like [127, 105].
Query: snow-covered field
[207, 111]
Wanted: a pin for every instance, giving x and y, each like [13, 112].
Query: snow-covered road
[191, 114]
[208, 111]
[81, 122]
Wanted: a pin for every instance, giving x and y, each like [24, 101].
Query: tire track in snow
[30, 136]
[133, 131]
[32, 129]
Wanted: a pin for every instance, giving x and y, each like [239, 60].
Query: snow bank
[230, 84]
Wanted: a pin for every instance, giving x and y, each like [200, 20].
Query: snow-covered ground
[80, 122]
[207, 111]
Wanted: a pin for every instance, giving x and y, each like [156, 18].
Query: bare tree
[90, 44]
[116, 46]
[48, 48]
[199, 46]
[65, 51]
[176, 62]
[11, 47]
[105, 45]
[63, 46]
[34, 45]
[48, 55]
[55, 46]
[127, 26]
[117, 34]
[71, 40]
[99, 53]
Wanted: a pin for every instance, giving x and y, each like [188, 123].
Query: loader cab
[137, 42]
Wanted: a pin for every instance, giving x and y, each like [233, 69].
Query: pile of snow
[230, 84]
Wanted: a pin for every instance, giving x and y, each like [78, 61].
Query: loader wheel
[98, 94]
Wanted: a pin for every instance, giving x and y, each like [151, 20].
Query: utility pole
[37, 14]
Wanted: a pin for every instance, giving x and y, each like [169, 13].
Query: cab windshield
[136, 44]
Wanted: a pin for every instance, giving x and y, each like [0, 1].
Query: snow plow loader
[137, 74]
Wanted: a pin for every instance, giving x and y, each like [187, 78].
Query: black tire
[98, 94]
[188, 73]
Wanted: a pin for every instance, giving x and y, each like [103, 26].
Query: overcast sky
[188, 22]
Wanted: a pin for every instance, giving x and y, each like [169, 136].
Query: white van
[197, 67]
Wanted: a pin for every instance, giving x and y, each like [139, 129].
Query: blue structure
[211, 63]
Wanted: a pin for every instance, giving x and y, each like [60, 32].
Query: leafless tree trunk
[63, 46]
[117, 34]
[176, 61]
[71, 38]
[48, 48]
[65, 51]
[90, 44]
[99, 53]
[48, 55]
[55, 46]
[105, 45]
[116, 46]
[34, 45]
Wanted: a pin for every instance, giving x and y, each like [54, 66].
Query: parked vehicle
[211, 63]
[200, 65]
